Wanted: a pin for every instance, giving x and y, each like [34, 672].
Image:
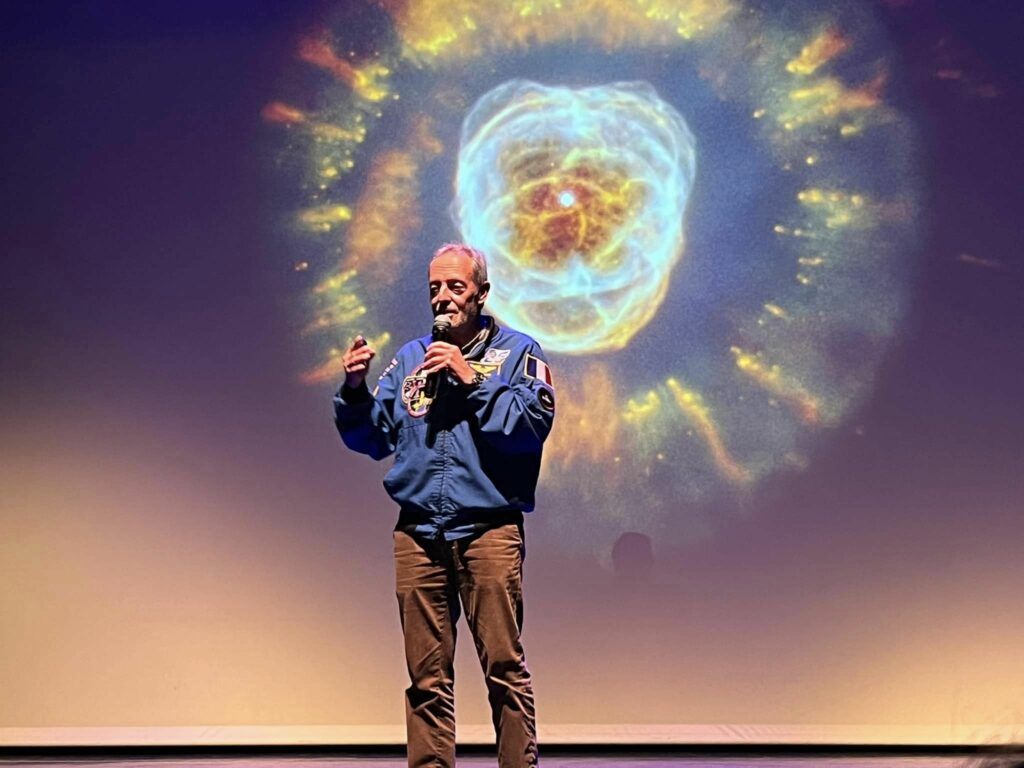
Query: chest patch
[414, 393]
[484, 367]
[493, 355]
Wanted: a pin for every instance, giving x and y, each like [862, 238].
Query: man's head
[457, 278]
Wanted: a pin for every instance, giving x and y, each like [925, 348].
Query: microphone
[442, 325]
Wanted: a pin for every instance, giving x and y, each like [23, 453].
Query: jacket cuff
[355, 395]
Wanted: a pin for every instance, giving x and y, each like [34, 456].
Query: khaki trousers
[481, 574]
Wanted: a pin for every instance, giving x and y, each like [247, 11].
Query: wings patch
[493, 355]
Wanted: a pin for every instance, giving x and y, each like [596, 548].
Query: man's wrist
[357, 394]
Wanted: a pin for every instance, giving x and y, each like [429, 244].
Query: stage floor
[596, 760]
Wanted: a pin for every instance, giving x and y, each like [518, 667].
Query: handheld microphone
[442, 325]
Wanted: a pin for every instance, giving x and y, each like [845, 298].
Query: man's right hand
[356, 362]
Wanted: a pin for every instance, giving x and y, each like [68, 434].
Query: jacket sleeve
[365, 421]
[515, 411]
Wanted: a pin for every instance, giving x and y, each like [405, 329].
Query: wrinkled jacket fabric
[468, 459]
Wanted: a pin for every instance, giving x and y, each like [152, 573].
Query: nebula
[578, 197]
[707, 330]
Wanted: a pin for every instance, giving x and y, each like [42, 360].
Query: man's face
[454, 292]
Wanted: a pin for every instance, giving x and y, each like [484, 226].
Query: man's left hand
[441, 355]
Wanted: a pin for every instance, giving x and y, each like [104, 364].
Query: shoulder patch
[536, 368]
[547, 400]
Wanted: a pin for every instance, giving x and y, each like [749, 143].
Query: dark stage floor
[598, 760]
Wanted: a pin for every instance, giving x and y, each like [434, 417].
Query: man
[466, 419]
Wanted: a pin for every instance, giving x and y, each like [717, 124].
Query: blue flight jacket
[469, 458]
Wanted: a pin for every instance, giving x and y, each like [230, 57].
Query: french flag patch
[538, 369]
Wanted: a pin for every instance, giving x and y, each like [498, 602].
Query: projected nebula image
[704, 212]
[578, 198]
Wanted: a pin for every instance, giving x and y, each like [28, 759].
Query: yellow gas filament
[822, 49]
[386, 213]
[692, 406]
[828, 99]
[587, 428]
[324, 218]
[838, 208]
[462, 29]
[772, 379]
